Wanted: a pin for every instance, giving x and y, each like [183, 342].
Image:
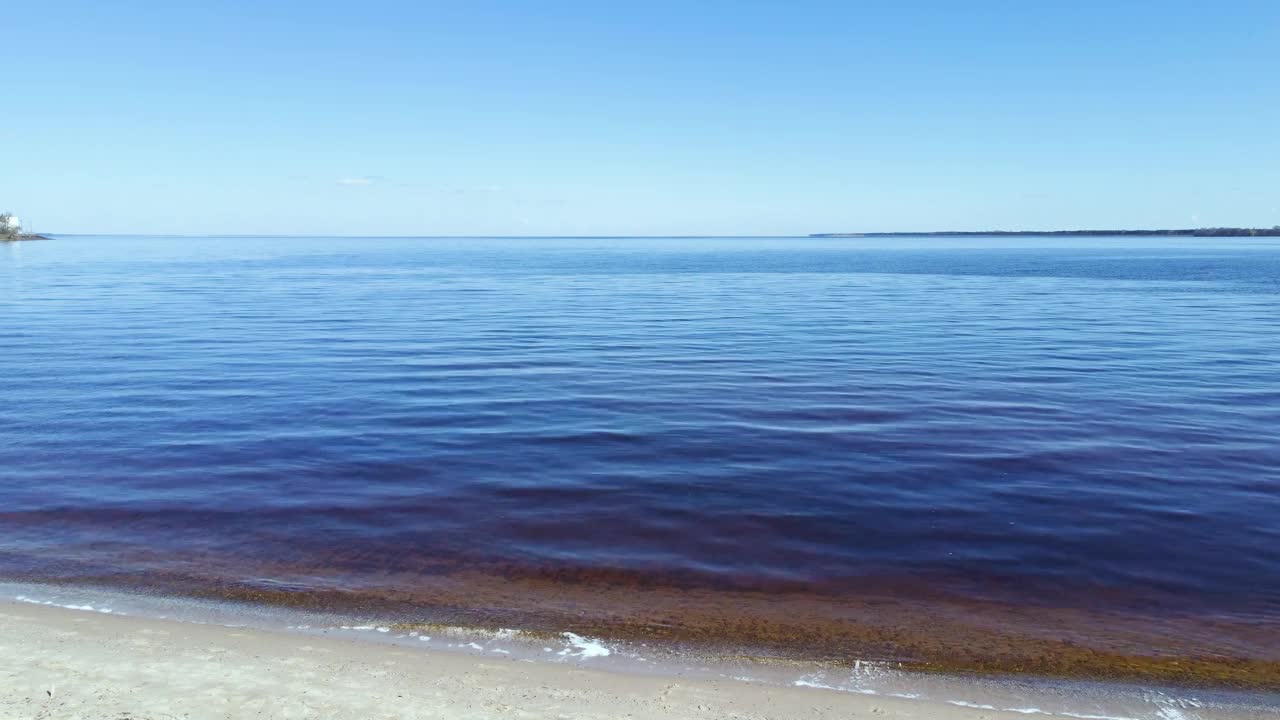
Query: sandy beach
[66, 664]
[60, 663]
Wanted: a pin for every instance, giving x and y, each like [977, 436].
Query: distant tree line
[1189, 232]
[1238, 232]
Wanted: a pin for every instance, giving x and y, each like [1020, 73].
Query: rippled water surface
[1083, 423]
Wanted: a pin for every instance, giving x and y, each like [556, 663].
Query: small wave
[50, 603]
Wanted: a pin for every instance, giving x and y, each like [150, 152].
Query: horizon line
[812, 235]
[437, 237]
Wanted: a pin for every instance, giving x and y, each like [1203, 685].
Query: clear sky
[691, 117]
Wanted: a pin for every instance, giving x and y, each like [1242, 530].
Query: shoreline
[66, 642]
[1137, 639]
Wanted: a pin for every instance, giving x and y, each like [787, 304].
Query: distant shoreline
[1187, 232]
[20, 238]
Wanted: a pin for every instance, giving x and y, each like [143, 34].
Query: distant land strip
[1190, 232]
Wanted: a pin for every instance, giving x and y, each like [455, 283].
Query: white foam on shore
[51, 603]
[811, 684]
[816, 681]
[886, 676]
[583, 648]
[504, 641]
[1035, 711]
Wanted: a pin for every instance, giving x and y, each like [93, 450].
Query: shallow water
[1078, 439]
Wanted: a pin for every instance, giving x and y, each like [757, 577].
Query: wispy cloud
[356, 181]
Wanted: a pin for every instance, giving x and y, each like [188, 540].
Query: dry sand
[58, 663]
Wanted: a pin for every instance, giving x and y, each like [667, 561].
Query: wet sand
[59, 663]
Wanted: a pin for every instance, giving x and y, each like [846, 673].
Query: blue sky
[423, 118]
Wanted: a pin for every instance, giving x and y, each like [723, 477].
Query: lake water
[895, 448]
